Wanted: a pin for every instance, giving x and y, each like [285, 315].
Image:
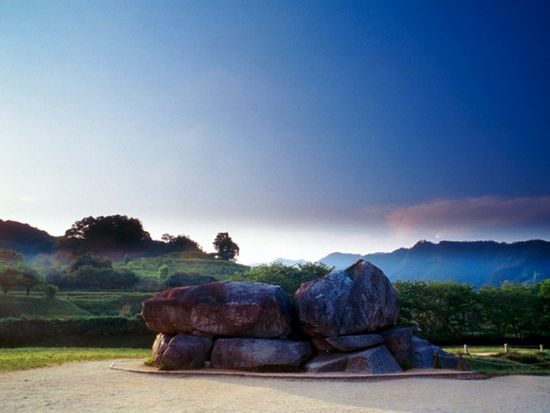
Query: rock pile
[346, 324]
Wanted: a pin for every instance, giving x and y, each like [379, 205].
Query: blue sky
[301, 128]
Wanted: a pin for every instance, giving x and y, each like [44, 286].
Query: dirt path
[93, 387]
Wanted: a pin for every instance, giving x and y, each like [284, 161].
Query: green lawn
[32, 357]
[494, 362]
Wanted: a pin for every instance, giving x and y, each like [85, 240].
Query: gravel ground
[93, 387]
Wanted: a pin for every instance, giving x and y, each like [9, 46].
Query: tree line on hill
[115, 236]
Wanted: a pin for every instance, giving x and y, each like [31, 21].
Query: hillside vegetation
[179, 263]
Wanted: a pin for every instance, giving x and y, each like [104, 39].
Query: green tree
[181, 242]
[89, 271]
[96, 278]
[226, 249]
[8, 278]
[49, 290]
[511, 310]
[28, 278]
[19, 274]
[91, 260]
[106, 233]
[441, 310]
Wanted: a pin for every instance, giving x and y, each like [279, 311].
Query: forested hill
[115, 236]
[25, 239]
[477, 263]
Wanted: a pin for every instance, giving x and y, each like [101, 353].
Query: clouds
[460, 217]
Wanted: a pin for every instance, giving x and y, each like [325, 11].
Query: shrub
[49, 290]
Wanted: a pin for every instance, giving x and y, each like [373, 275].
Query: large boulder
[423, 355]
[357, 300]
[221, 309]
[259, 354]
[377, 360]
[181, 352]
[399, 342]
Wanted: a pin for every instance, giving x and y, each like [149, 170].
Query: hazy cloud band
[469, 214]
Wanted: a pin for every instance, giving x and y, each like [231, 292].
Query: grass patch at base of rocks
[12, 359]
[492, 361]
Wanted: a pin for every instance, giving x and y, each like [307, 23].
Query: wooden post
[506, 348]
[460, 362]
[541, 348]
[436, 360]
[466, 349]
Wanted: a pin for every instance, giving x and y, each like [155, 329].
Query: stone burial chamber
[343, 322]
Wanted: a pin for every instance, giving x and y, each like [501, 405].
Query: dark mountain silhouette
[477, 263]
[116, 241]
[25, 239]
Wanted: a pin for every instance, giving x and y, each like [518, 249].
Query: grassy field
[73, 304]
[494, 362]
[17, 305]
[148, 267]
[33, 357]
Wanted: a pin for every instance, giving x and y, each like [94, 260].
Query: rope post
[541, 348]
[506, 348]
[460, 362]
[436, 360]
[466, 349]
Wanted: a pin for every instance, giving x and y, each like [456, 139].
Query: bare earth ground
[93, 387]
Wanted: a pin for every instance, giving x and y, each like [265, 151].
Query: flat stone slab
[259, 354]
[138, 366]
[354, 342]
[377, 360]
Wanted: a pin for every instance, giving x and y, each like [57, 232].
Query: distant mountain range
[477, 263]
